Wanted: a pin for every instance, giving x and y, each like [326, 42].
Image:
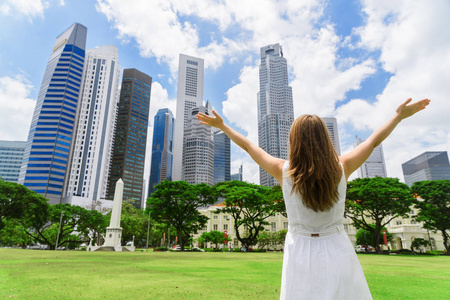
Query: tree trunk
[446, 244]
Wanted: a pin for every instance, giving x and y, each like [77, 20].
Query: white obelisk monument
[113, 236]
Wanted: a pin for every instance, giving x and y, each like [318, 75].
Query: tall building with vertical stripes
[275, 107]
[374, 165]
[162, 148]
[333, 132]
[93, 140]
[189, 96]
[50, 139]
[11, 154]
[130, 138]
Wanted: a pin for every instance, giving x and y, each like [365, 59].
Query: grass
[36, 274]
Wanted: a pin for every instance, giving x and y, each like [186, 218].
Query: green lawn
[37, 274]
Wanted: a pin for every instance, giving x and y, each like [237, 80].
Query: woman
[319, 259]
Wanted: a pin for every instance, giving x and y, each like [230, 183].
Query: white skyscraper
[374, 165]
[93, 141]
[189, 95]
[333, 131]
[275, 106]
[198, 149]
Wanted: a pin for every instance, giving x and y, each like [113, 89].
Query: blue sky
[353, 60]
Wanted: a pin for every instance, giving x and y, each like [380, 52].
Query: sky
[356, 61]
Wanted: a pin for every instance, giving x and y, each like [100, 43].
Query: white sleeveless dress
[319, 259]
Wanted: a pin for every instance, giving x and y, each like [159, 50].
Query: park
[38, 274]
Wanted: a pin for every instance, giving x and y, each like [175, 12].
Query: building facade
[334, 134]
[275, 106]
[375, 165]
[189, 96]
[162, 149]
[221, 157]
[427, 166]
[198, 150]
[403, 230]
[11, 154]
[130, 138]
[45, 161]
[93, 140]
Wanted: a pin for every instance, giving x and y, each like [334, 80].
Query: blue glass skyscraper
[50, 138]
[162, 149]
[221, 157]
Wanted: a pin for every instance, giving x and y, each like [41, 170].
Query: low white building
[403, 230]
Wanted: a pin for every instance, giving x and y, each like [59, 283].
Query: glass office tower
[11, 154]
[221, 157]
[130, 138]
[50, 138]
[432, 165]
[275, 107]
[162, 148]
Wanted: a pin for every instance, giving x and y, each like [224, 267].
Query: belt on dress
[329, 231]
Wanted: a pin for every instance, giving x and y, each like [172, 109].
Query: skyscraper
[162, 149]
[221, 157]
[275, 106]
[189, 95]
[198, 149]
[49, 142]
[427, 166]
[11, 154]
[374, 165]
[131, 136]
[239, 175]
[93, 141]
[333, 131]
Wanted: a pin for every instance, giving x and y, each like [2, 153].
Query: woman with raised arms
[319, 260]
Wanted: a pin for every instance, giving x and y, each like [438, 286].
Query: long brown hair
[313, 163]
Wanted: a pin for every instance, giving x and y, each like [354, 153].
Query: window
[285, 225]
[215, 217]
[215, 227]
[398, 222]
[225, 227]
[273, 226]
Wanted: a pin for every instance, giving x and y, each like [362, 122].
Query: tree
[418, 242]
[76, 223]
[215, 237]
[266, 238]
[14, 234]
[177, 203]
[373, 202]
[249, 205]
[16, 201]
[434, 206]
[366, 237]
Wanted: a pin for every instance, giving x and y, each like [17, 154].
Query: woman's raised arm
[354, 159]
[272, 165]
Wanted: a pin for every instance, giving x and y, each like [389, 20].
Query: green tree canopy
[215, 237]
[366, 237]
[434, 206]
[249, 205]
[373, 202]
[177, 203]
[76, 223]
[419, 242]
[17, 202]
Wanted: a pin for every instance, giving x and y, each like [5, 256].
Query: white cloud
[17, 108]
[406, 38]
[414, 47]
[28, 8]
